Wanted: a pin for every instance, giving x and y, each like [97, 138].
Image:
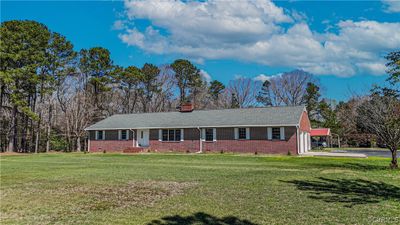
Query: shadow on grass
[352, 166]
[349, 192]
[200, 218]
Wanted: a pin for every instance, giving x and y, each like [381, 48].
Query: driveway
[335, 154]
[369, 152]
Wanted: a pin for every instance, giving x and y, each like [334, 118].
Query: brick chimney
[186, 107]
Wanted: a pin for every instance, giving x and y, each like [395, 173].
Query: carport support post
[338, 139]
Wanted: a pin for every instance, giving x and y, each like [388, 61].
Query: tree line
[49, 92]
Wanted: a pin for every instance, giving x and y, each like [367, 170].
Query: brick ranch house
[263, 130]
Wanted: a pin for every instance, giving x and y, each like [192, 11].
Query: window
[242, 133]
[210, 134]
[124, 135]
[141, 134]
[171, 135]
[164, 135]
[177, 135]
[100, 135]
[276, 133]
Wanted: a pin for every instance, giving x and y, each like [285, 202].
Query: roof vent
[186, 107]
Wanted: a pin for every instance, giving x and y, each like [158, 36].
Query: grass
[197, 189]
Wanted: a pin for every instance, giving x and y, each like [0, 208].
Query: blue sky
[342, 43]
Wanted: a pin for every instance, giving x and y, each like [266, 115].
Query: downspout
[201, 142]
[133, 137]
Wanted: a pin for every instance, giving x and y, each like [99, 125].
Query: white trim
[269, 133]
[88, 150]
[203, 134]
[120, 135]
[236, 131]
[214, 134]
[133, 138]
[211, 126]
[182, 136]
[160, 137]
[301, 116]
[247, 133]
[97, 135]
[282, 133]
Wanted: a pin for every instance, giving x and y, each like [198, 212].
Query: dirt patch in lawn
[78, 200]
[133, 194]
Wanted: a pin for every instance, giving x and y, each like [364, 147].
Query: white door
[143, 138]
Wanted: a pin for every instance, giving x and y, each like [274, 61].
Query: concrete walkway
[335, 154]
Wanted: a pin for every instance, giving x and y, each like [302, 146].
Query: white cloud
[238, 77]
[119, 25]
[205, 76]
[263, 77]
[391, 6]
[252, 31]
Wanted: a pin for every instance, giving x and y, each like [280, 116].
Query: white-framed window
[171, 135]
[209, 134]
[242, 133]
[100, 135]
[276, 133]
[123, 134]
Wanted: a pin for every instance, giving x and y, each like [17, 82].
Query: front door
[143, 138]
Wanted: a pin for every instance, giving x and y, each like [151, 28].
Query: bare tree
[245, 90]
[286, 89]
[380, 115]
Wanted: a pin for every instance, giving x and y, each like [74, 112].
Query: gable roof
[268, 116]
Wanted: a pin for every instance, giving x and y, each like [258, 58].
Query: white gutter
[133, 137]
[211, 126]
[201, 142]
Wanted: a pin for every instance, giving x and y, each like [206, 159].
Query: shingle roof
[268, 116]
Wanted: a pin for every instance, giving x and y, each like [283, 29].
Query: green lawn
[197, 189]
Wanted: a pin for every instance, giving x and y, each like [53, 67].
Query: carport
[319, 136]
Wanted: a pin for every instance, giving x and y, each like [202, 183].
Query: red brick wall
[181, 146]
[239, 146]
[305, 124]
[109, 145]
[224, 143]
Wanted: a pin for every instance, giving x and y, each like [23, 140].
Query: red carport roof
[320, 132]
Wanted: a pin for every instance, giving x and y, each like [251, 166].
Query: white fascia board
[211, 126]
